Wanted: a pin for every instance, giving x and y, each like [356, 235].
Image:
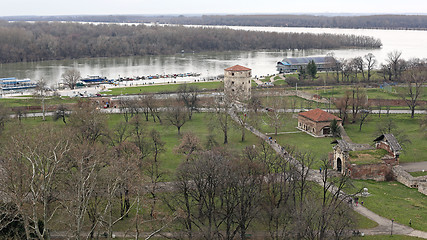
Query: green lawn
[30, 101]
[295, 102]
[199, 126]
[414, 152]
[160, 88]
[372, 93]
[418, 174]
[364, 222]
[385, 237]
[367, 156]
[394, 200]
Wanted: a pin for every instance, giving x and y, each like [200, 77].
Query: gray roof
[305, 60]
[343, 145]
[391, 140]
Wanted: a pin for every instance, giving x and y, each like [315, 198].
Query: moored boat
[8, 84]
[94, 79]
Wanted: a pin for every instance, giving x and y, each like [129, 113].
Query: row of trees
[223, 195]
[370, 21]
[44, 41]
[77, 178]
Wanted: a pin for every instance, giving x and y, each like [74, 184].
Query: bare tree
[370, 64]
[153, 170]
[274, 116]
[71, 77]
[189, 95]
[364, 113]
[116, 176]
[358, 101]
[61, 113]
[88, 122]
[40, 154]
[359, 65]
[190, 144]
[151, 106]
[342, 105]
[414, 79]
[79, 185]
[4, 116]
[221, 117]
[41, 90]
[177, 116]
[393, 59]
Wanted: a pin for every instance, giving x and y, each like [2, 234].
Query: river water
[411, 43]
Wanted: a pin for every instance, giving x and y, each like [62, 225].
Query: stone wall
[422, 188]
[408, 180]
[377, 172]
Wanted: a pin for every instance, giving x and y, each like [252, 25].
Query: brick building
[317, 122]
[379, 169]
[391, 145]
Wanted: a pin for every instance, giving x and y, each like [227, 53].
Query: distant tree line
[371, 21]
[39, 41]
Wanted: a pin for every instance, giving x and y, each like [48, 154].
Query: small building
[288, 65]
[317, 122]
[237, 82]
[341, 155]
[360, 161]
[390, 144]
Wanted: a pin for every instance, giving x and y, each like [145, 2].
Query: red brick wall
[378, 172]
[382, 145]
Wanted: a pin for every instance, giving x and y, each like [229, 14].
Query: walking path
[414, 167]
[384, 225]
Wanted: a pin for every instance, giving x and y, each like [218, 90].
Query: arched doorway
[339, 165]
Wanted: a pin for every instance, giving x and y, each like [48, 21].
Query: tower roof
[318, 115]
[237, 68]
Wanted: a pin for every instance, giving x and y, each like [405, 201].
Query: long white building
[288, 65]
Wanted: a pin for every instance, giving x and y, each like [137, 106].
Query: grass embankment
[385, 237]
[394, 200]
[168, 88]
[372, 93]
[30, 101]
[367, 156]
[415, 151]
[418, 174]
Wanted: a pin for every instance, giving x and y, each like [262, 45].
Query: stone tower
[237, 83]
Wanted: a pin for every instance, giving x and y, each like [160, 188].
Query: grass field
[394, 200]
[30, 101]
[415, 151]
[418, 174]
[199, 125]
[372, 93]
[385, 237]
[160, 88]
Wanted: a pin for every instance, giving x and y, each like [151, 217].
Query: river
[410, 42]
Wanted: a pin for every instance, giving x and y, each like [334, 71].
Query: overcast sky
[98, 7]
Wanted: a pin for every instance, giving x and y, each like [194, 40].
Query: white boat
[8, 84]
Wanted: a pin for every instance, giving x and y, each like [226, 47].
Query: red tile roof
[237, 68]
[318, 115]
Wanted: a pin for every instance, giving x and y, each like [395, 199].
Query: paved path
[384, 224]
[414, 167]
